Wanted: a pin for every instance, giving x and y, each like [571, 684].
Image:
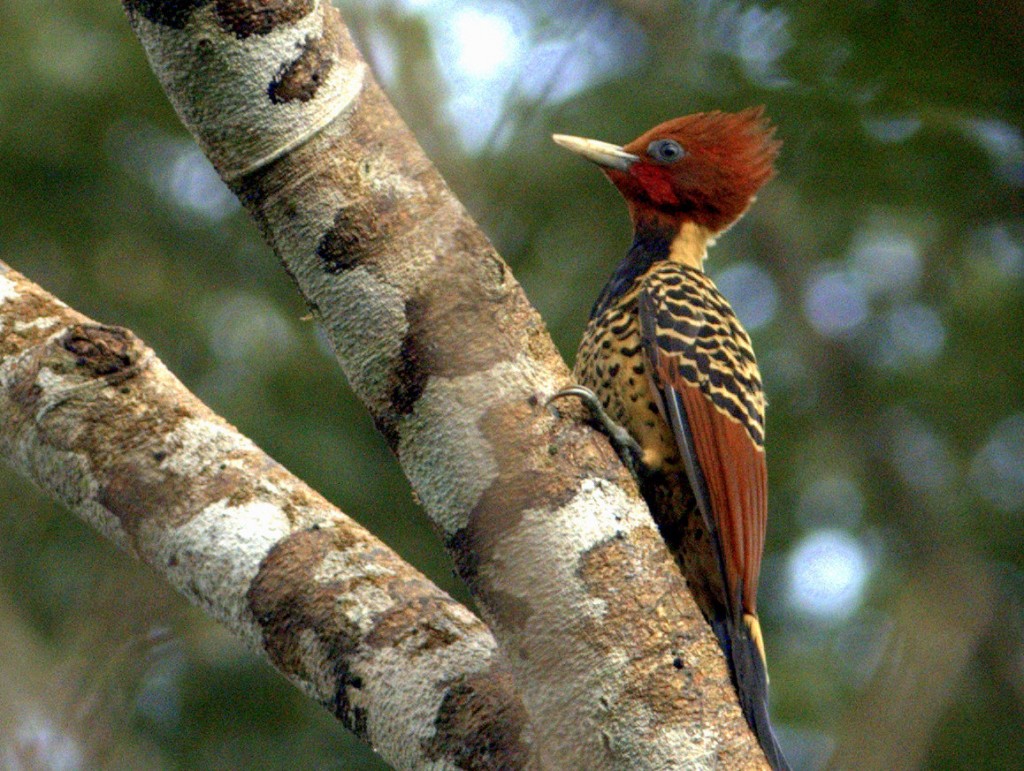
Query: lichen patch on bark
[444, 438]
[33, 317]
[211, 555]
[8, 290]
[314, 609]
[251, 80]
[369, 336]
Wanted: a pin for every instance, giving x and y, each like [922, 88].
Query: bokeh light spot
[757, 37]
[997, 470]
[243, 327]
[835, 303]
[1002, 246]
[751, 292]
[1004, 144]
[173, 167]
[914, 333]
[70, 54]
[382, 54]
[496, 57]
[886, 261]
[44, 742]
[997, 137]
[828, 571]
[605, 45]
[159, 699]
[486, 42]
[890, 130]
[193, 184]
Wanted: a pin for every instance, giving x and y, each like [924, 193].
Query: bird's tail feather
[741, 641]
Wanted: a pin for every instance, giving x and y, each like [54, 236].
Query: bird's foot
[625, 446]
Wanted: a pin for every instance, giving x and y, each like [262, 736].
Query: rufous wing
[704, 372]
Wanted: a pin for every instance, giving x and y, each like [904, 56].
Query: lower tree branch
[91, 415]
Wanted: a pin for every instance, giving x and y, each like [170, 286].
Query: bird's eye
[665, 150]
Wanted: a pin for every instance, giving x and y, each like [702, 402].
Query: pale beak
[601, 153]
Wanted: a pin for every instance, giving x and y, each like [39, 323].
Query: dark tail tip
[750, 679]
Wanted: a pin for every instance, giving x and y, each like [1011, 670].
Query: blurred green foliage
[881, 274]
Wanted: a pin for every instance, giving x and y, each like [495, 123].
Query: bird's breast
[611, 363]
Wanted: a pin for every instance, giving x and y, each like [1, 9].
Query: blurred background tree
[881, 275]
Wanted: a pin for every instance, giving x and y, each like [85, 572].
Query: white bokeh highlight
[827, 572]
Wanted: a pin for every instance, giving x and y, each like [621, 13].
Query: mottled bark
[92, 416]
[615, 664]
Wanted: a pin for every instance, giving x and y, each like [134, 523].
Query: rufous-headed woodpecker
[666, 366]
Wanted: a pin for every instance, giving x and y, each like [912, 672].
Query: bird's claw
[625, 446]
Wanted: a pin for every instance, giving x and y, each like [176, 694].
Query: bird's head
[703, 168]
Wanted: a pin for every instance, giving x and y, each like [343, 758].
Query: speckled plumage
[694, 325]
[670, 363]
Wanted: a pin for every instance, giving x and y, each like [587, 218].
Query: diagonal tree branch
[91, 415]
[615, 665]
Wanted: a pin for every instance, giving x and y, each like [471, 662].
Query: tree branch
[615, 664]
[93, 417]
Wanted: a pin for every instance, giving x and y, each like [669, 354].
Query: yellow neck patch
[690, 246]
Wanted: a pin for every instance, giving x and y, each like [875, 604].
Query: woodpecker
[666, 367]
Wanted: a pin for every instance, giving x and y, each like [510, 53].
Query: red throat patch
[656, 182]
